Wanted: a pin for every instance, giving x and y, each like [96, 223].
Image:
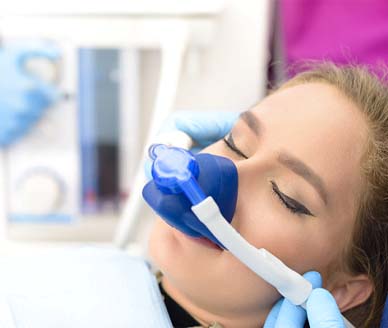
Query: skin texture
[316, 124]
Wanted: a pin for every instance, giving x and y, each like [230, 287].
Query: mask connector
[176, 171]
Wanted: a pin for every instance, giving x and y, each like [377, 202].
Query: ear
[351, 291]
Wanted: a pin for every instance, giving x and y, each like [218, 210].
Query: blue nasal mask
[177, 175]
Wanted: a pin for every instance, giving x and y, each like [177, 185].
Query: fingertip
[270, 322]
[314, 278]
[322, 309]
[321, 294]
[290, 315]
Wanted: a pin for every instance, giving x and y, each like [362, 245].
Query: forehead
[320, 126]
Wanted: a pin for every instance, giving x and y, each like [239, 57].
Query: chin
[205, 275]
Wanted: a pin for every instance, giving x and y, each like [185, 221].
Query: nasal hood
[218, 178]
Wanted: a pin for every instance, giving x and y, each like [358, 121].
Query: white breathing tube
[290, 284]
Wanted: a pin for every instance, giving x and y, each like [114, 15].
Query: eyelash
[291, 204]
[229, 142]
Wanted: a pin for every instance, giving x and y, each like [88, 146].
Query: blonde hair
[368, 250]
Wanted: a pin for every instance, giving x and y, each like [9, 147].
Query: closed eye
[290, 203]
[229, 142]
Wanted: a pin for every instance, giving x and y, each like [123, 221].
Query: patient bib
[79, 287]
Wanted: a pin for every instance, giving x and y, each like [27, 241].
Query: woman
[312, 160]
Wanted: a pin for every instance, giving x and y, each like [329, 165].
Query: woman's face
[298, 160]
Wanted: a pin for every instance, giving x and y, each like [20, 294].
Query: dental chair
[84, 287]
[79, 287]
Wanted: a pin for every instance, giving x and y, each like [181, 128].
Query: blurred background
[123, 67]
[68, 177]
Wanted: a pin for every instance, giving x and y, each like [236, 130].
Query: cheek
[302, 243]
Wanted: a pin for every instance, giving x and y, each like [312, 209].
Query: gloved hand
[204, 128]
[23, 96]
[322, 310]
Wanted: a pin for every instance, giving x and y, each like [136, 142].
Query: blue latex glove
[322, 310]
[204, 128]
[23, 96]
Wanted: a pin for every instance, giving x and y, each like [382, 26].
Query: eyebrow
[289, 161]
[251, 120]
[301, 169]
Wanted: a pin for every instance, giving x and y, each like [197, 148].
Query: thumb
[322, 310]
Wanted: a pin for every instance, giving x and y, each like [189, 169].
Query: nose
[252, 177]
[257, 163]
[252, 168]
